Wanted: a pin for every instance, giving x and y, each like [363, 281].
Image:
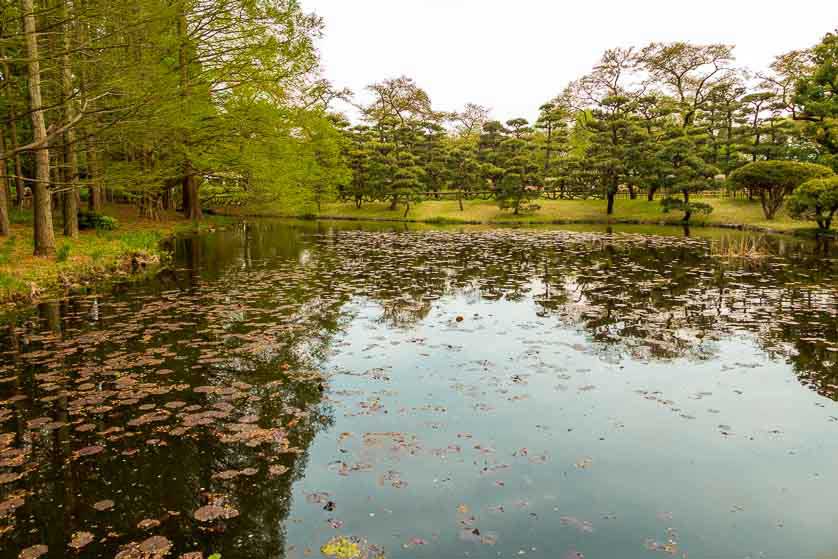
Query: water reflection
[201, 386]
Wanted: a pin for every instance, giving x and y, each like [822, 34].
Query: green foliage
[815, 200]
[817, 95]
[20, 217]
[100, 222]
[514, 194]
[669, 204]
[774, 180]
[6, 249]
[63, 252]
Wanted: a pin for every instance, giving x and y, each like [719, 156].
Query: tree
[41, 202]
[817, 96]
[513, 193]
[552, 119]
[685, 173]
[398, 101]
[815, 200]
[466, 171]
[774, 180]
[610, 104]
[407, 180]
[471, 120]
[520, 170]
[689, 72]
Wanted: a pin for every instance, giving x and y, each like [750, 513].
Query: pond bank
[727, 213]
[133, 249]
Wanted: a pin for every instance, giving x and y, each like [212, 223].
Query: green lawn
[726, 212]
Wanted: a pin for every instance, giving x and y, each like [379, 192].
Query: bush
[63, 253]
[774, 180]
[815, 200]
[100, 222]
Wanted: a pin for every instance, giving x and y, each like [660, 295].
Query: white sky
[513, 55]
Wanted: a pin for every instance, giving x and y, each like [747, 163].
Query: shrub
[774, 180]
[63, 253]
[100, 222]
[815, 200]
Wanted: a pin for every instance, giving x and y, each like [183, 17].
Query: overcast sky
[513, 55]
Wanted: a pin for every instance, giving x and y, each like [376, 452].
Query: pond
[432, 393]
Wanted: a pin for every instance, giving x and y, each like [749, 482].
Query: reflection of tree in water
[261, 303]
[652, 297]
[168, 340]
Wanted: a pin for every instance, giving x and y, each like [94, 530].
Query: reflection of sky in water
[765, 489]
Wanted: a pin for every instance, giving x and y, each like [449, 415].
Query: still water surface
[433, 393]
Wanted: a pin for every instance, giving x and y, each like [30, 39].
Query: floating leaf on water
[104, 505]
[341, 548]
[148, 524]
[209, 513]
[155, 547]
[80, 540]
[9, 477]
[583, 526]
[33, 552]
[88, 451]
[13, 502]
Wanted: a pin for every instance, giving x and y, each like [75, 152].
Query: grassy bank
[93, 257]
[726, 212]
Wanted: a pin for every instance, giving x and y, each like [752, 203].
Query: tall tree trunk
[20, 187]
[70, 171]
[191, 197]
[610, 202]
[94, 188]
[191, 202]
[94, 200]
[5, 226]
[41, 203]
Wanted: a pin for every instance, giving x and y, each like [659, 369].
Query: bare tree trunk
[191, 202]
[191, 199]
[5, 226]
[94, 201]
[71, 168]
[41, 203]
[94, 189]
[20, 188]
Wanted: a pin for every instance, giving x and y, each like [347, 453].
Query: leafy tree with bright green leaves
[774, 180]
[815, 200]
